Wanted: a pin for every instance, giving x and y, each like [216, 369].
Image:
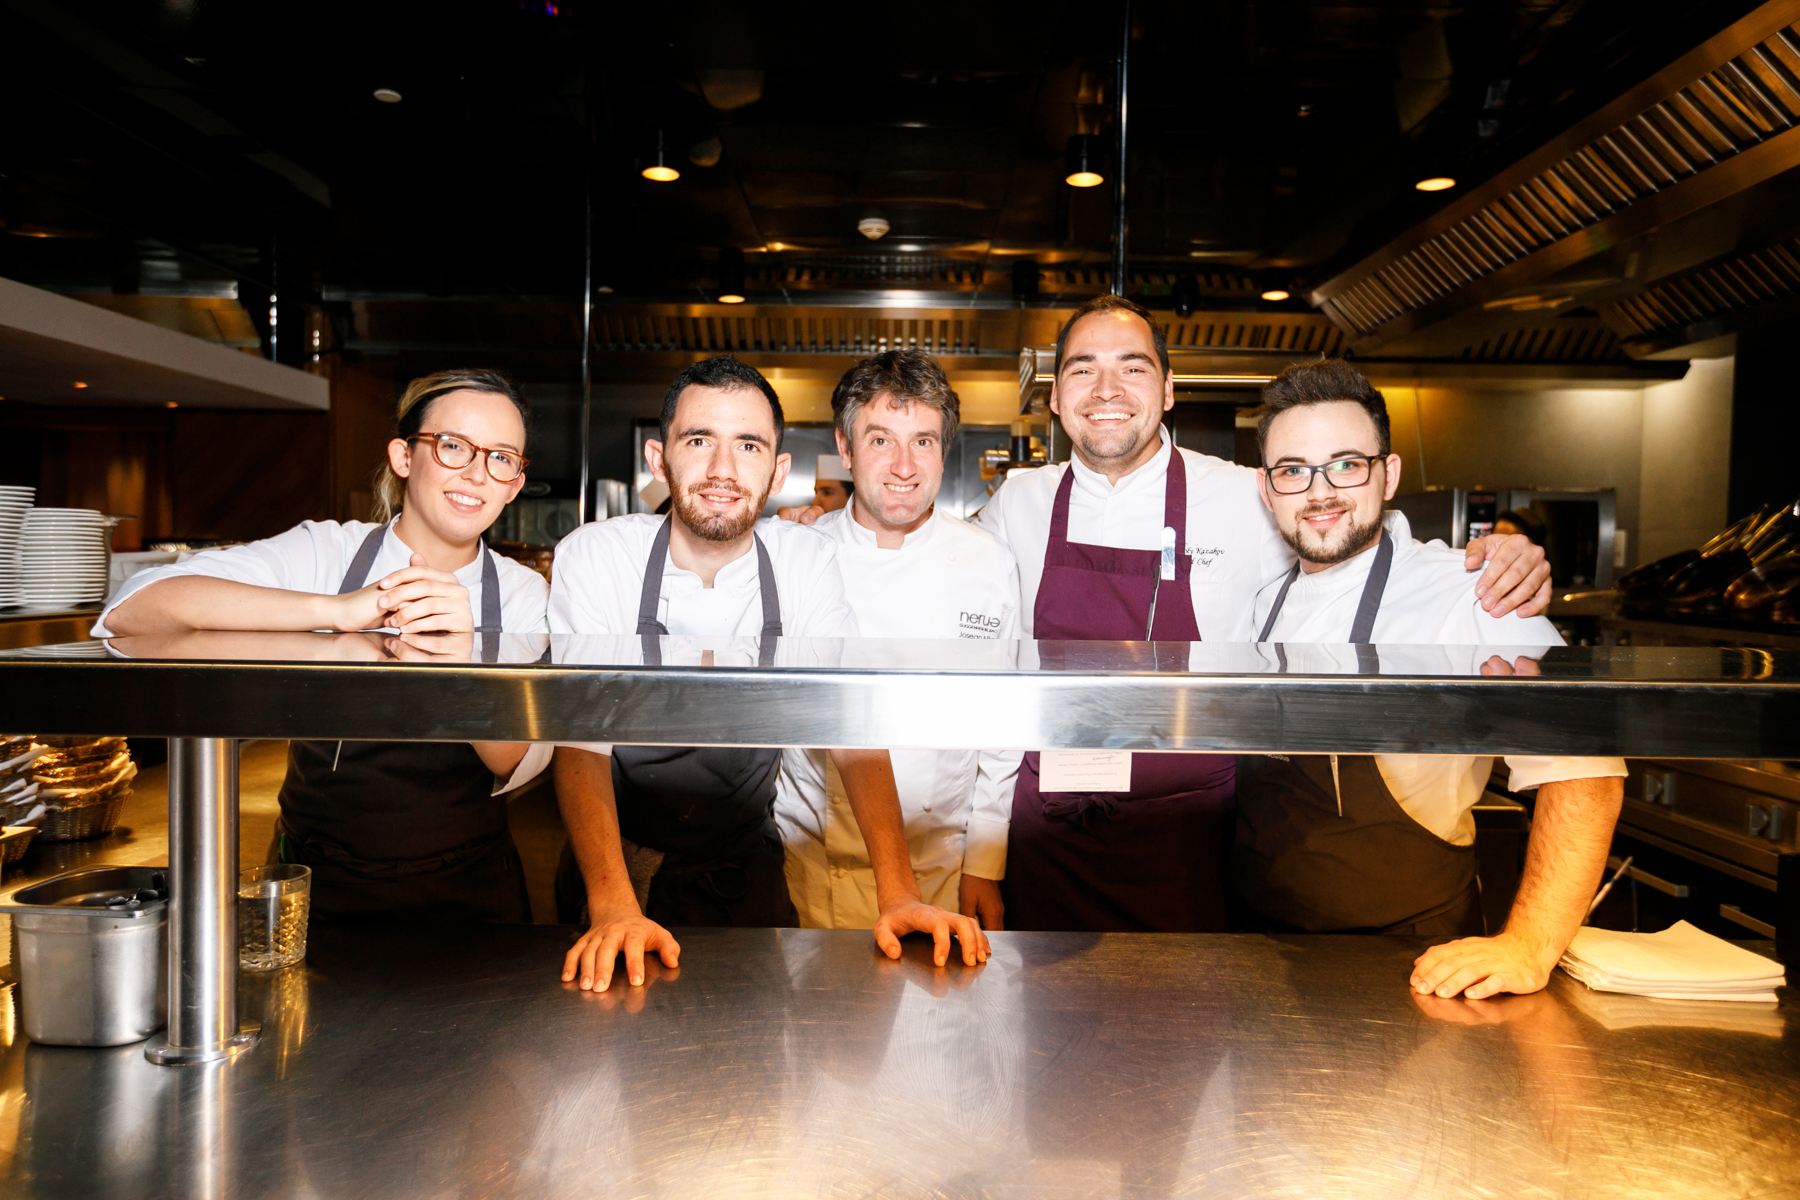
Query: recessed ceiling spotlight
[873, 228]
[1081, 162]
[604, 289]
[1437, 183]
[171, 404]
[1275, 294]
[909, 246]
[387, 95]
[81, 385]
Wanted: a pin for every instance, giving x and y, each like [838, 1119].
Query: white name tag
[1084, 771]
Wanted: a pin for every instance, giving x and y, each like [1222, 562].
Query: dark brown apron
[1151, 859]
[409, 828]
[708, 810]
[1322, 846]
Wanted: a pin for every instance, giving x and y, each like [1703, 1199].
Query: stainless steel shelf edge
[1145, 710]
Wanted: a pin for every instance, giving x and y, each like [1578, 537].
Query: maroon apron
[1151, 859]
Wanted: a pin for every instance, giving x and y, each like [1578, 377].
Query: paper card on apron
[1085, 771]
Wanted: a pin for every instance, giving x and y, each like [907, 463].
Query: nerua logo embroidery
[978, 625]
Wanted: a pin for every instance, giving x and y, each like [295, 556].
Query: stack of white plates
[62, 556]
[14, 502]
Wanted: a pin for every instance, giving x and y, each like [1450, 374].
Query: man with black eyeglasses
[1386, 843]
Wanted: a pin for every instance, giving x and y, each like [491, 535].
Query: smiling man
[1134, 540]
[909, 571]
[1386, 843]
[702, 839]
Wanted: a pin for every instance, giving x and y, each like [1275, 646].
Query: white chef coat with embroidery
[1429, 600]
[1231, 537]
[313, 557]
[599, 583]
[949, 579]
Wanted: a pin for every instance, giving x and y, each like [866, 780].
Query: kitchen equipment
[90, 948]
[1580, 524]
[1748, 574]
[1715, 843]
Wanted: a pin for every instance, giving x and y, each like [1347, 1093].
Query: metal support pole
[1119, 224]
[587, 324]
[203, 851]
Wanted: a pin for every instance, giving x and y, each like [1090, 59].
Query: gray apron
[1322, 846]
[707, 811]
[407, 828]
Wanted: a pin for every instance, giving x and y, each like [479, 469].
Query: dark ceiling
[197, 146]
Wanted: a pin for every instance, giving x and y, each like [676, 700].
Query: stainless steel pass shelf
[1664, 702]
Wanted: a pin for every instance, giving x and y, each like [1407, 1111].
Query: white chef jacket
[1231, 537]
[949, 579]
[599, 583]
[1430, 600]
[313, 556]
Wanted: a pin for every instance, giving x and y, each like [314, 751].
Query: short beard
[711, 526]
[1090, 452]
[1353, 540]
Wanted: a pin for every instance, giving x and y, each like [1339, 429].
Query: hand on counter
[596, 952]
[915, 916]
[1516, 577]
[1481, 967]
[980, 898]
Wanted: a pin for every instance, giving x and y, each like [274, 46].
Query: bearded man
[1385, 843]
[696, 822]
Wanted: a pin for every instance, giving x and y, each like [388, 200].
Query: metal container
[89, 974]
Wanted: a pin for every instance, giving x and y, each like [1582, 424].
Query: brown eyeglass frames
[454, 452]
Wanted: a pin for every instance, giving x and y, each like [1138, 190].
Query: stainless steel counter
[202, 690]
[800, 1063]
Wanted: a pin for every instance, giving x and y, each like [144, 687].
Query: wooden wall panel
[245, 475]
[362, 418]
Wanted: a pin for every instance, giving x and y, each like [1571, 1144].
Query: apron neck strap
[651, 597]
[1175, 500]
[364, 562]
[1366, 608]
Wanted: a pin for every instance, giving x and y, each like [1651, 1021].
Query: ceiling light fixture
[731, 275]
[873, 228]
[81, 385]
[659, 170]
[1275, 294]
[909, 246]
[1437, 183]
[171, 404]
[387, 95]
[1081, 162]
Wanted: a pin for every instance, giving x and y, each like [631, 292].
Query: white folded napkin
[1680, 963]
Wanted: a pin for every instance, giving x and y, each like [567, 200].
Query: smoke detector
[873, 228]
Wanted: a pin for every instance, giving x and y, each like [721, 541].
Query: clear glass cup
[273, 902]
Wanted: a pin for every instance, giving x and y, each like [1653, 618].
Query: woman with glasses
[389, 826]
